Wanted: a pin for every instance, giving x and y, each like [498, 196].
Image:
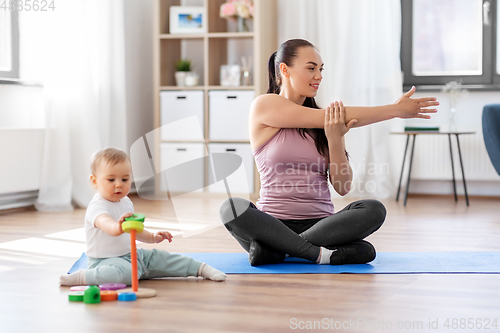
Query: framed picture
[230, 75]
[186, 20]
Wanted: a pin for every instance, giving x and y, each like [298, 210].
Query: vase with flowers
[238, 10]
[455, 90]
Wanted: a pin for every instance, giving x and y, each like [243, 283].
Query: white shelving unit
[220, 45]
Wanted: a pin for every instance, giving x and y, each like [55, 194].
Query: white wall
[22, 122]
[469, 108]
[22, 106]
[21, 140]
[481, 177]
[21, 151]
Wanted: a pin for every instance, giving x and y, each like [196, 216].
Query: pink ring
[112, 286]
[78, 288]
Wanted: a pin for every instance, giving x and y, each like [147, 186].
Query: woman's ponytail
[274, 88]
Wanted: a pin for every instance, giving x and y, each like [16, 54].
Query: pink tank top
[293, 177]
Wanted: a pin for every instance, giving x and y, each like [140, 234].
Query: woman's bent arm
[335, 128]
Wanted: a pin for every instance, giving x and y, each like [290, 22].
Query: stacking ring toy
[92, 295]
[76, 296]
[112, 286]
[136, 217]
[78, 288]
[109, 295]
[127, 297]
[133, 225]
[127, 226]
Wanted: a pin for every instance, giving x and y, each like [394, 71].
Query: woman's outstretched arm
[276, 111]
[405, 107]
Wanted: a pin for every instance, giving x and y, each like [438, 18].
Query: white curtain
[84, 88]
[359, 41]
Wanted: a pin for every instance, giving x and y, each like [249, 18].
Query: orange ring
[109, 295]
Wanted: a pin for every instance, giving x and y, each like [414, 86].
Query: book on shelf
[421, 129]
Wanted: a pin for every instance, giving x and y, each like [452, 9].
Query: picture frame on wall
[187, 20]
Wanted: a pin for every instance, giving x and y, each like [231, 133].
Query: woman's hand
[415, 108]
[335, 126]
[340, 172]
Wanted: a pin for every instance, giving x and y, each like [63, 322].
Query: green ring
[132, 225]
[136, 217]
[76, 296]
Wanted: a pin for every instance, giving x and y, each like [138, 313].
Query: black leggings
[301, 238]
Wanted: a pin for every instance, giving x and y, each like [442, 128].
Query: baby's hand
[160, 236]
[122, 219]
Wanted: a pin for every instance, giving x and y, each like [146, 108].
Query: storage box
[228, 114]
[182, 167]
[239, 181]
[176, 106]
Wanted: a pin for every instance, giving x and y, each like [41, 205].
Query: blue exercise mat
[385, 263]
[81, 263]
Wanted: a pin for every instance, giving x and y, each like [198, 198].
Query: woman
[297, 146]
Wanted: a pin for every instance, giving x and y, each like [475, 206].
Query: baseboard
[15, 200]
[444, 187]
[18, 200]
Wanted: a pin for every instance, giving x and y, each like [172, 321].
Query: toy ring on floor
[78, 288]
[127, 297]
[76, 296]
[112, 286]
[109, 295]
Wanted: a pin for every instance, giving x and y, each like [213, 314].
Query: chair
[491, 133]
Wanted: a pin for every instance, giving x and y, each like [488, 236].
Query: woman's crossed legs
[246, 224]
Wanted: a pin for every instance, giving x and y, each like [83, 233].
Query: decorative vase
[455, 90]
[452, 125]
[452, 120]
[246, 78]
[191, 79]
[180, 78]
[242, 25]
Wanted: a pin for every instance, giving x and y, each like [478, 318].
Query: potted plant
[183, 68]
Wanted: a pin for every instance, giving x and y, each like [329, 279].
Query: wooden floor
[35, 248]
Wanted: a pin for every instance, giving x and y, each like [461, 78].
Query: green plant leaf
[183, 65]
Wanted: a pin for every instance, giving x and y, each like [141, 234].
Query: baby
[108, 247]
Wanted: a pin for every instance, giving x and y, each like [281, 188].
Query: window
[9, 44]
[450, 40]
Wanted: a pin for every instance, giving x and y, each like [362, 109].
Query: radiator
[432, 160]
[21, 160]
